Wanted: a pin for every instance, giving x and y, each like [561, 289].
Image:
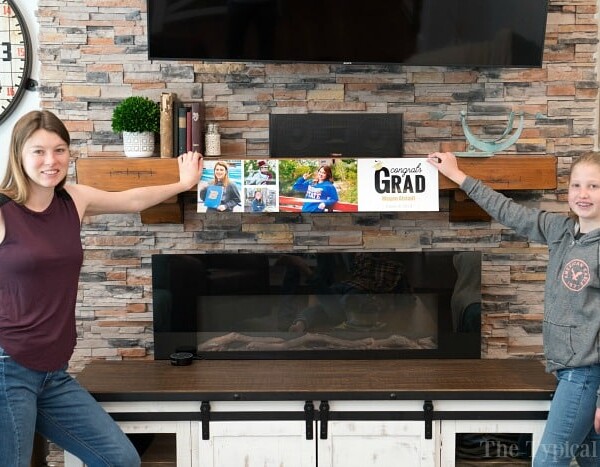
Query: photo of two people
[260, 185]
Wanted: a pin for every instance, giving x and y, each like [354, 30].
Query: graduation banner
[318, 185]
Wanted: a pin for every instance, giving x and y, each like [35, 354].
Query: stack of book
[181, 126]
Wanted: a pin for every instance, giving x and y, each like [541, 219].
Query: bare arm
[2, 228]
[446, 163]
[91, 201]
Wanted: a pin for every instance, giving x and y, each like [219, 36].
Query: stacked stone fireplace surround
[93, 54]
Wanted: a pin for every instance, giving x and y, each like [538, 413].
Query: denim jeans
[569, 431]
[55, 405]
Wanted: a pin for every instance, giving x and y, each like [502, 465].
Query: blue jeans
[569, 431]
[55, 405]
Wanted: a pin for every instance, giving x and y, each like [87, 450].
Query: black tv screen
[474, 33]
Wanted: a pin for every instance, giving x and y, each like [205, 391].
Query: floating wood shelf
[510, 172]
[118, 174]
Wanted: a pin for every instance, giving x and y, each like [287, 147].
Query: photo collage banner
[318, 185]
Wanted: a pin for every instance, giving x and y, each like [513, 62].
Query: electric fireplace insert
[318, 305]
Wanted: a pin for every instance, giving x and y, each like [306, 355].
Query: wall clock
[15, 58]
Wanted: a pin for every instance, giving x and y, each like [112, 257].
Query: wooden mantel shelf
[501, 172]
[509, 172]
[118, 174]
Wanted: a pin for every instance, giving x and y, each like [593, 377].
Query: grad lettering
[385, 182]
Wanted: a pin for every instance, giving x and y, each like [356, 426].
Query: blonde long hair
[15, 184]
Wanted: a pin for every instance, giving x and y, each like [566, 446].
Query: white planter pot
[138, 144]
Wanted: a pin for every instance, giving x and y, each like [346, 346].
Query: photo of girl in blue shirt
[320, 192]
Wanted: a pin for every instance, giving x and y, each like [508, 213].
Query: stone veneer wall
[93, 54]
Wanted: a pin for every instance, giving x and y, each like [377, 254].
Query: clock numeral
[6, 53]
[15, 51]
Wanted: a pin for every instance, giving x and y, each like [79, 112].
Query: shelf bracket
[205, 418]
[428, 417]
[324, 418]
[309, 417]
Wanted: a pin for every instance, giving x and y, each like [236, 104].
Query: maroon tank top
[40, 261]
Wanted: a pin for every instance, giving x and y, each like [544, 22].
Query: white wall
[31, 99]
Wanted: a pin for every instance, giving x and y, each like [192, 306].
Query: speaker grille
[351, 135]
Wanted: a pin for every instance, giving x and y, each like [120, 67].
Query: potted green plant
[138, 118]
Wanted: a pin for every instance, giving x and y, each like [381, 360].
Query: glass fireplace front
[318, 305]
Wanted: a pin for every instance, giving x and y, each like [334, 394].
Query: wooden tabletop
[317, 380]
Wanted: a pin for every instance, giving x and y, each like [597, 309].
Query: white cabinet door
[377, 444]
[257, 444]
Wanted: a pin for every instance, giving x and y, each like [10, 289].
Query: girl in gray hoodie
[571, 302]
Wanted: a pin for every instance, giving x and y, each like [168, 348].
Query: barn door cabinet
[325, 413]
[352, 441]
[256, 434]
[235, 439]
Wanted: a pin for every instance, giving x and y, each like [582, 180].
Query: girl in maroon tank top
[40, 261]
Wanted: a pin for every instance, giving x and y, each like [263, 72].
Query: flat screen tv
[468, 33]
[318, 305]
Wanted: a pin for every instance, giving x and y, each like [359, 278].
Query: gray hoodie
[572, 289]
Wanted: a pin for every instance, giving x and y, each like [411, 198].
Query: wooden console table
[272, 412]
[235, 380]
